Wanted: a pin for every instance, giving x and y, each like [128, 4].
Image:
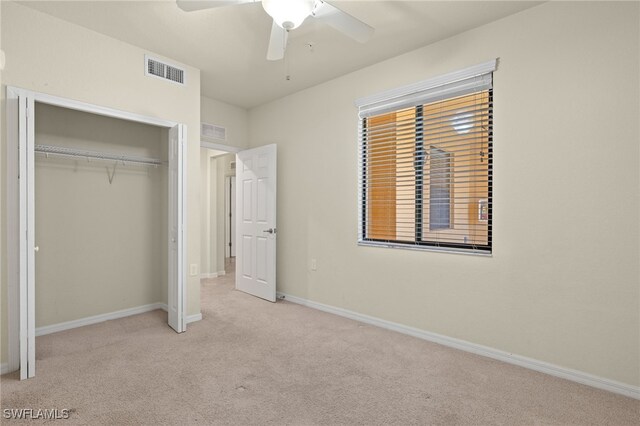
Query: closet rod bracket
[111, 173]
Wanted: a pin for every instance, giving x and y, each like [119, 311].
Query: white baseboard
[530, 363]
[208, 275]
[48, 329]
[189, 319]
[212, 275]
[54, 328]
[194, 318]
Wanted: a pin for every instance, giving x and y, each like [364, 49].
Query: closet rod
[72, 152]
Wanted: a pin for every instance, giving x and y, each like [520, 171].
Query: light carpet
[252, 362]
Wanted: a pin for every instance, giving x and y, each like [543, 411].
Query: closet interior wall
[102, 245]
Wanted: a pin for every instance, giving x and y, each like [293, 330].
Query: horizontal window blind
[426, 164]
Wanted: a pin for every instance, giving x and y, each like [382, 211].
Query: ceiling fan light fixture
[289, 14]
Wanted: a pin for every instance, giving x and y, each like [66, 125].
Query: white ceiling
[229, 44]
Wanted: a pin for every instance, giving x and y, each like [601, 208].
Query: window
[439, 189]
[426, 164]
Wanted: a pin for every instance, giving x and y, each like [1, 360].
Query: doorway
[217, 190]
[21, 215]
[255, 222]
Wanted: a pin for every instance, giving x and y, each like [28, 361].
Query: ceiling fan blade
[193, 5]
[342, 21]
[277, 42]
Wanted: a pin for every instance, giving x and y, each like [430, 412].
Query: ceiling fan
[290, 14]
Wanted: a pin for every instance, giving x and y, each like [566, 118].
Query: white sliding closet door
[21, 257]
[176, 293]
[27, 180]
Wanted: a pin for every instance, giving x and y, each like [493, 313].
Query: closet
[95, 218]
[100, 216]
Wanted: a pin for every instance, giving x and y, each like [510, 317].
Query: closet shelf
[81, 153]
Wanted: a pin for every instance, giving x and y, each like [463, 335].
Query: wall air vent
[211, 131]
[156, 68]
[232, 165]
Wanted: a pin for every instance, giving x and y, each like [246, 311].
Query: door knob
[270, 231]
[36, 249]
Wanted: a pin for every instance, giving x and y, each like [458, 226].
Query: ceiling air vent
[163, 70]
[212, 131]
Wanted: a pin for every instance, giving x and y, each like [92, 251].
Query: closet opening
[100, 216]
[99, 208]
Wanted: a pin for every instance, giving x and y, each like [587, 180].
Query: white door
[176, 294]
[256, 222]
[26, 236]
[21, 232]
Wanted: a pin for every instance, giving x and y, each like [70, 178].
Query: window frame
[418, 243]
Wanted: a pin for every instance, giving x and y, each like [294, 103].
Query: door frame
[229, 214]
[221, 147]
[21, 299]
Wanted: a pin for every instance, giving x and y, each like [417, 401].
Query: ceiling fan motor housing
[289, 14]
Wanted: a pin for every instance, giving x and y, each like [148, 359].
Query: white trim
[182, 234]
[473, 71]
[220, 147]
[188, 318]
[30, 264]
[194, 318]
[13, 217]
[436, 249]
[209, 275]
[54, 328]
[521, 361]
[96, 109]
[212, 275]
[95, 319]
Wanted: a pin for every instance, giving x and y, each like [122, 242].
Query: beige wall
[563, 283]
[233, 118]
[103, 245]
[66, 60]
